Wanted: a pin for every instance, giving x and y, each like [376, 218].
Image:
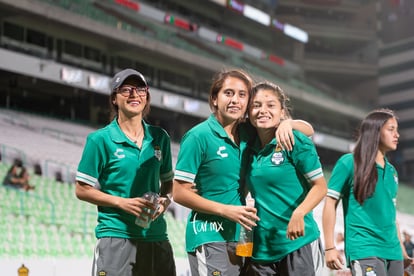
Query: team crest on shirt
[157, 152]
[277, 157]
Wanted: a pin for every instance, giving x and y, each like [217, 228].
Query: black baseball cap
[121, 76]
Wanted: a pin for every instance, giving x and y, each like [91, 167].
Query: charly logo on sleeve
[221, 152]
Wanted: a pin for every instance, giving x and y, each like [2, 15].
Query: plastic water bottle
[144, 220]
[244, 246]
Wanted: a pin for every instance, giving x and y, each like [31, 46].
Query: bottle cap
[249, 200]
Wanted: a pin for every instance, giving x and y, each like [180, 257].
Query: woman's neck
[231, 130]
[380, 159]
[266, 135]
[132, 124]
[132, 128]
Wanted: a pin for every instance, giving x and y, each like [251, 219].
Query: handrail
[4, 149]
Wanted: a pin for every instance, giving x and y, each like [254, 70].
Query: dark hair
[115, 109]
[219, 79]
[282, 97]
[18, 162]
[365, 152]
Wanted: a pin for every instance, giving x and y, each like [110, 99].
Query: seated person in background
[17, 177]
[408, 244]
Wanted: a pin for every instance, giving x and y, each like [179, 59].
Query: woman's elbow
[80, 191]
[322, 186]
[325, 190]
[181, 191]
[176, 191]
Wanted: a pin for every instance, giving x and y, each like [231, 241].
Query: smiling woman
[212, 160]
[127, 159]
[268, 108]
[287, 185]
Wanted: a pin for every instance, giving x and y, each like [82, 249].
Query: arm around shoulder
[284, 132]
[303, 126]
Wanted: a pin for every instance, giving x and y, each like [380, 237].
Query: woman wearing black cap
[120, 163]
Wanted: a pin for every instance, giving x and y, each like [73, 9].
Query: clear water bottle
[244, 246]
[145, 219]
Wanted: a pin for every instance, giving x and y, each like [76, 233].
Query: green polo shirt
[279, 180]
[370, 229]
[210, 159]
[116, 166]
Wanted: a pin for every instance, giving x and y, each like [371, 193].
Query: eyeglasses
[127, 91]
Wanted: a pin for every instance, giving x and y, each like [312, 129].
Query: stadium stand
[45, 141]
[47, 125]
[51, 221]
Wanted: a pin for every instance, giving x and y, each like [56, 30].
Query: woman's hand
[135, 206]
[296, 226]
[284, 134]
[244, 215]
[333, 259]
[163, 203]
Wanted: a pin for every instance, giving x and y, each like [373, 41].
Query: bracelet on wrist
[329, 249]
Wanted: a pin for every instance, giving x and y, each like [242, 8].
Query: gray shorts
[115, 256]
[377, 266]
[218, 258]
[306, 261]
